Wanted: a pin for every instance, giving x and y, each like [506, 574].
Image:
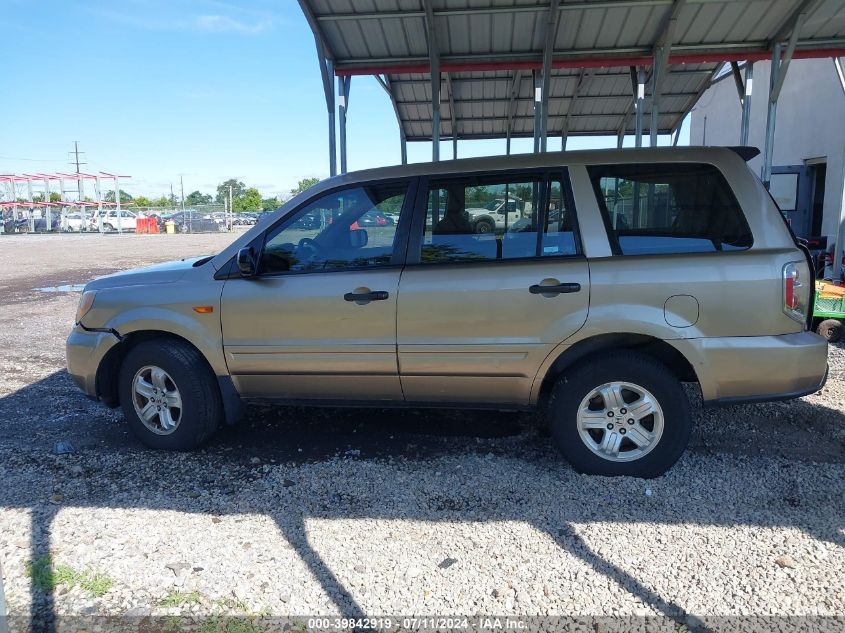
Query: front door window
[343, 230]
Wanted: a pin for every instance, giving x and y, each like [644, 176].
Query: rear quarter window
[669, 208]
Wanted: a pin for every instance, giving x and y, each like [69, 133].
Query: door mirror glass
[358, 238]
[246, 262]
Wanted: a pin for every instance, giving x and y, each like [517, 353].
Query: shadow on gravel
[117, 472]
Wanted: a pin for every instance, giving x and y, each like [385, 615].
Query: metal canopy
[596, 102]
[481, 44]
[478, 69]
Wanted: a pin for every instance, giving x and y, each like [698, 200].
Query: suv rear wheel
[620, 414]
[169, 395]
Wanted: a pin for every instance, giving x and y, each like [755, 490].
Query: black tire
[202, 411]
[576, 383]
[484, 227]
[831, 329]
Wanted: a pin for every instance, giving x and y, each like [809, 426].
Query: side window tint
[670, 208]
[348, 229]
[487, 219]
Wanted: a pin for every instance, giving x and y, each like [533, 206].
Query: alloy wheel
[620, 421]
[157, 400]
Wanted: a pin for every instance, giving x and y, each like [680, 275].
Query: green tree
[223, 191]
[195, 197]
[270, 204]
[124, 197]
[39, 197]
[304, 184]
[249, 201]
[143, 201]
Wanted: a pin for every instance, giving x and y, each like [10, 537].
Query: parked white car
[74, 222]
[491, 216]
[110, 221]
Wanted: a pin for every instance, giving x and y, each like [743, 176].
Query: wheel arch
[109, 370]
[651, 346]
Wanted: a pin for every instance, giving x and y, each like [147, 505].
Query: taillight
[796, 292]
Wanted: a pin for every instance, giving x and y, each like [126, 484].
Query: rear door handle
[556, 289]
[372, 295]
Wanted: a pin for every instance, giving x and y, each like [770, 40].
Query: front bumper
[85, 351]
[733, 370]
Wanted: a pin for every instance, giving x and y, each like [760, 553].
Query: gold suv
[601, 282]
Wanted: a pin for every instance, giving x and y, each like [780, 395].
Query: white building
[809, 149]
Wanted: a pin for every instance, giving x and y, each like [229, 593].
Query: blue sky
[208, 89]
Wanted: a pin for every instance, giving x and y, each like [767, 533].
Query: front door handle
[554, 289]
[363, 295]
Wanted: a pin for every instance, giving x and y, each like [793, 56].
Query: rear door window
[495, 218]
[669, 208]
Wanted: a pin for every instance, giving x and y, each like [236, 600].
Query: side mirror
[246, 262]
[358, 238]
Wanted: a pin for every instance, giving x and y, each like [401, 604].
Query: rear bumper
[85, 350]
[733, 370]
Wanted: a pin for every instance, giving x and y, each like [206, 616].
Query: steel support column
[117, 203]
[656, 76]
[514, 93]
[551, 34]
[385, 83]
[343, 86]
[780, 64]
[435, 109]
[638, 112]
[839, 247]
[837, 63]
[538, 108]
[746, 103]
[564, 133]
[771, 115]
[434, 71]
[452, 116]
[327, 75]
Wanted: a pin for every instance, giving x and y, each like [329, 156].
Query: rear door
[319, 320]
[478, 314]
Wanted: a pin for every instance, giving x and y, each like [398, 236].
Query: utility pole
[182, 185]
[77, 164]
[172, 199]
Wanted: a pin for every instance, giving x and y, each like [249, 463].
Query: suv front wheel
[620, 414]
[169, 395]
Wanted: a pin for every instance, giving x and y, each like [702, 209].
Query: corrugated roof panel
[826, 21]
[511, 33]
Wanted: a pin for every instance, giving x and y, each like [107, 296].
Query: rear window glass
[669, 208]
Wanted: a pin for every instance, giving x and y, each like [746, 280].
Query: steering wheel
[309, 248]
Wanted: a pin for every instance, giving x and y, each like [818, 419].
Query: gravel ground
[351, 512]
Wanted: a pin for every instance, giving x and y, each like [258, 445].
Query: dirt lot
[356, 512]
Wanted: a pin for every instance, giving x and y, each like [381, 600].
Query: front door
[319, 319]
[478, 314]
